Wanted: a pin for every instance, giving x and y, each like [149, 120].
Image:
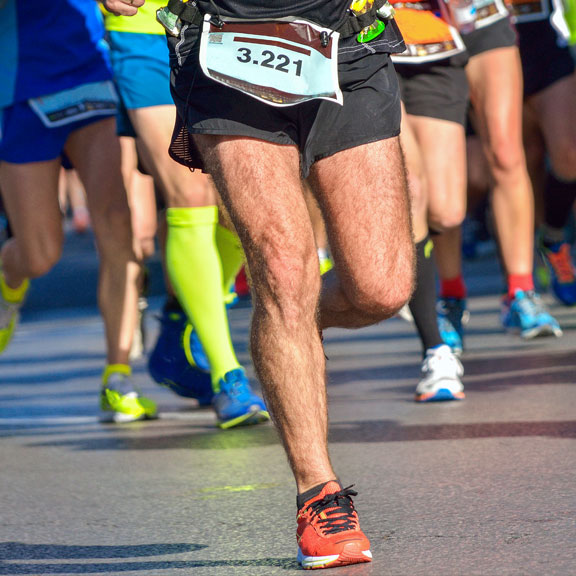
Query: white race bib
[488, 12]
[528, 10]
[281, 62]
[85, 101]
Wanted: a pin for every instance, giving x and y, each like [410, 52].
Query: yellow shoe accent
[13, 295]
[11, 300]
[120, 402]
[123, 369]
[246, 420]
[7, 332]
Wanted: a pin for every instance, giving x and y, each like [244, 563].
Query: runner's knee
[38, 259]
[380, 295]
[563, 161]
[287, 283]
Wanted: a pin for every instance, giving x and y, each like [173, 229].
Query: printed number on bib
[281, 62]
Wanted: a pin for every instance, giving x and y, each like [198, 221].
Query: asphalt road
[481, 487]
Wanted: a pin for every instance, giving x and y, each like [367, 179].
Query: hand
[123, 7]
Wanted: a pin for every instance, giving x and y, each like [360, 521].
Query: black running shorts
[500, 34]
[436, 89]
[319, 128]
[543, 61]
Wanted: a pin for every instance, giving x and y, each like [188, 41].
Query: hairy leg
[273, 224]
[95, 152]
[364, 198]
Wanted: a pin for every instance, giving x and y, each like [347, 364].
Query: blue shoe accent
[452, 316]
[236, 404]
[168, 365]
[558, 260]
[442, 395]
[525, 314]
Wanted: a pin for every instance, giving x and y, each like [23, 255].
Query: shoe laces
[452, 310]
[441, 357]
[335, 512]
[122, 384]
[561, 262]
[235, 384]
[528, 303]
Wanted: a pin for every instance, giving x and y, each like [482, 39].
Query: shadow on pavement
[366, 431]
[19, 553]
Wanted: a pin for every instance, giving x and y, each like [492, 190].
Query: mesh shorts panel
[182, 147]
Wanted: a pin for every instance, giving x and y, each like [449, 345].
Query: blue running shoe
[236, 404]
[563, 276]
[193, 349]
[169, 366]
[452, 316]
[525, 314]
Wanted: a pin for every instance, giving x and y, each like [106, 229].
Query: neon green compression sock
[195, 271]
[231, 256]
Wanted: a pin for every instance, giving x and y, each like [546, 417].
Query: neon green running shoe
[120, 401]
[11, 301]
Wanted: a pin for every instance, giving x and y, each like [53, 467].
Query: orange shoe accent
[561, 262]
[329, 532]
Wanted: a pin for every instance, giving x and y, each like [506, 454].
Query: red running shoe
[328, 531]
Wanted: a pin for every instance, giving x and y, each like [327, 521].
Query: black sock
[559, 196]
[423, 302]
[301, 499]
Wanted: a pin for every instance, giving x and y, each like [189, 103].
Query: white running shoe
[405, 314]
[442, 372]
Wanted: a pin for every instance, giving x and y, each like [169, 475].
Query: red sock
[523, 282]
[453, 288]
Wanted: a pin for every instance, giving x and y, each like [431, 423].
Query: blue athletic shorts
[24, 138]
[141, 69]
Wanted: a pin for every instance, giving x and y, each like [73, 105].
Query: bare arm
[123, 7]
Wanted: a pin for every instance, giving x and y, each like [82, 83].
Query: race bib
[86, 101]
[528, 10]
[281, 62]
[427, 37]
[488, 12]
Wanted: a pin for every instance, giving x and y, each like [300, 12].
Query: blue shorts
[24, 138]
[141, 69]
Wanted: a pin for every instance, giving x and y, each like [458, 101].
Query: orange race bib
[427, 37]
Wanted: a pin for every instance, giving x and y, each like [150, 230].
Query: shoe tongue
[318, 492]
[120, 384]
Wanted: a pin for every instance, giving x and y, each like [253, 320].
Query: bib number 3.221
[268, 59]
[281, 62]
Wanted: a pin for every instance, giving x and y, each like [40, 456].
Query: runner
[257, 154]
[549, 101]
[202, 257]
[435, 96]
[55, 100]
[494, 76]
